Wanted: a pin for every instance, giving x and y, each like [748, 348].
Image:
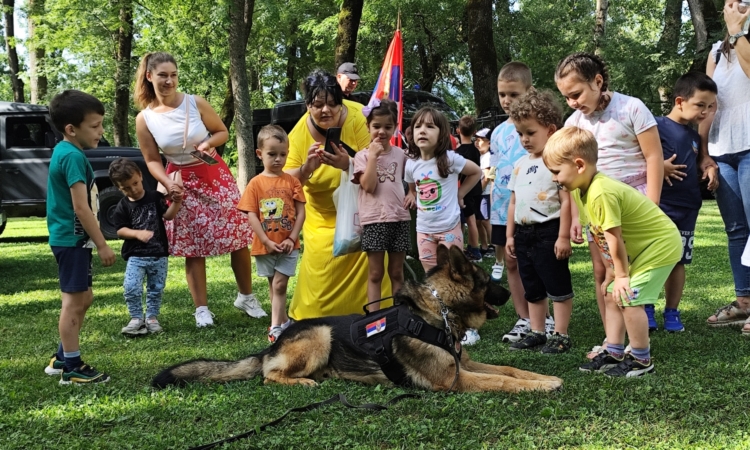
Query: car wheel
[108, 200]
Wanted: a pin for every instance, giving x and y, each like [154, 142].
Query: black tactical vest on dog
[374, 334]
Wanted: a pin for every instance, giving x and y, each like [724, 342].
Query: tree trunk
[37, 78]
[227, 111]
[10, 46]
[482, 56]
[240, 24]
[669, 42]
[346, 37]
[601, 25]
[707, 21]
[290, 89]
[122, 75]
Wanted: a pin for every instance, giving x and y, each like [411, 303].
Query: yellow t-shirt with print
[651, 238]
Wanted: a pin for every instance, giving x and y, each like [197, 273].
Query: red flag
[391, 81]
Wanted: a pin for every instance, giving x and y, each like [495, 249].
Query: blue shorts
[74, 268]
[685, 219]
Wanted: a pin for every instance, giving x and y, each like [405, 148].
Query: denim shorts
[74, 268]
[685, 219]
[542, 274]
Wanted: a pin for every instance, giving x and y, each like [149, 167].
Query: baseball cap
[350, 70]
[484, 133]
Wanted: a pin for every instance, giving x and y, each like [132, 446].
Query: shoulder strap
[187, 122]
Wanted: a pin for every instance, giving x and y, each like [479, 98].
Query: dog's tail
[209, 370]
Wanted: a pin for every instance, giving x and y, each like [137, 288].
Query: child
[636, 239]
[513, 81]
[694, 97]
[482, 142]
[432, 171]
[275, 205]
[73, 229]
[629, 147]
[466, 128]
[379, 170]
[138, 219]
[539, 234]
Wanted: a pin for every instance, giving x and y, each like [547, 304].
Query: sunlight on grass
[694, 400]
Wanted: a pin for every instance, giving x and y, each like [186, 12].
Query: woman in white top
[208, 223]
[729, 148]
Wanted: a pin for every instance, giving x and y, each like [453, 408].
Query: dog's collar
[444, 311]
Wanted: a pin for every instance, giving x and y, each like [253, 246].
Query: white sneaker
[204, 318]
[519, 331]
[471, 337]
[497, 271]
[249, 304]
[135, 327]
[549, 326]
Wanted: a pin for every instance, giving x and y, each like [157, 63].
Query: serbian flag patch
[375, 327]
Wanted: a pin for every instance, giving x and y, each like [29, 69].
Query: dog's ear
[442, 255]
[460, 265]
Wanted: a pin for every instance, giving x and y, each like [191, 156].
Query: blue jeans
[154, 270]
[733, 198]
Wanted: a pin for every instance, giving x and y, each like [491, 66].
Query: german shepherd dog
[313, 350]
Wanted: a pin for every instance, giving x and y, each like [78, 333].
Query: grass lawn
[698, 397]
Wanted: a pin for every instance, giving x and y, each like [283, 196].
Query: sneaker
[519, 331]
[630, 367]
[549, 326]
[488, 252]
[204, 318]
[152, 325]
[249, 304]
[497, 272]
[650, 311]
[471, 337]
[601, 363]
[275, 331]
[473, 254]
[135, 327]
[531, 341]
[672, 322]
[83, 374]
[55, 366]
[557, 343]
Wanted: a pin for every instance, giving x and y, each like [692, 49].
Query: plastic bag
[347, 236]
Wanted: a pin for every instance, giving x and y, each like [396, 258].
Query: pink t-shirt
[386, 204]
[616, 130]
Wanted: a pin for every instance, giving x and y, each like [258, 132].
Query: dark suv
[27, 139]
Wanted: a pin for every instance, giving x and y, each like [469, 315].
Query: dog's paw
[554, 385]
[307, 382]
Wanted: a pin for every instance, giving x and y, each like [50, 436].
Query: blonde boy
[639, 245]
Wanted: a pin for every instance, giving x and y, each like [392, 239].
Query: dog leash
[336, 398]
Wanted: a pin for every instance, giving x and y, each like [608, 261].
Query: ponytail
[587, 66]
[144, 93]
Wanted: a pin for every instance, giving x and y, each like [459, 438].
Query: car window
[25, 132]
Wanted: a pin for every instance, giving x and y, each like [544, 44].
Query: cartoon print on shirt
[430, 191]
[389, 173]
[601, 242]
[271, 211]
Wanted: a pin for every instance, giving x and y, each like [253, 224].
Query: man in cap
[347, 77]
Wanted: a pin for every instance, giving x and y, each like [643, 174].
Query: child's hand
[608, 278]
[673, 170]
[621, 292]
[287, 246]
[376, 148]
[106, 255]
[177, 197]
[144, 235]
[272, 247]
[576, 231]
[410, 201]
[562, 248]
[461, 203]
[712, 173]
[510, 247]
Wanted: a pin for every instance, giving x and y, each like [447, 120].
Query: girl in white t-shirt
[432, 174]
[629, 145]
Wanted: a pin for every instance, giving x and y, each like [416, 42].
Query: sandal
[731, 314]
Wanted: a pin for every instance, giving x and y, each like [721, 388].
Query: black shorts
[542, 274]
[471, 206]
[685, 219]
[74, 268]
[386, 237]
[498, 235]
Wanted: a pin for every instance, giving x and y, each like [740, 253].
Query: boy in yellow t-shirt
[638, 242]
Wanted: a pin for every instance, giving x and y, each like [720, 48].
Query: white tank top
[168, 129]
[730, 130]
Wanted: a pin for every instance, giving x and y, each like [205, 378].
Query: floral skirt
[208, 223]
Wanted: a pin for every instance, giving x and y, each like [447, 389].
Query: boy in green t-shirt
[73, 228]
[638, 242]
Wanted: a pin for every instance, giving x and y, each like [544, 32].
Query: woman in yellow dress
[326, 285]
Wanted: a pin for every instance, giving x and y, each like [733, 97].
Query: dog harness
[374, 335]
